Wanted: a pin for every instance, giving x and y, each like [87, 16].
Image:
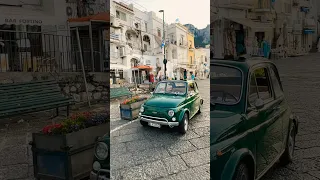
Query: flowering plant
[133, 100]
[75, 123]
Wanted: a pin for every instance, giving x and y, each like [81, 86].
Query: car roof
[243, 64]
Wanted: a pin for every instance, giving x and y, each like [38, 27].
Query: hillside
[201, 36]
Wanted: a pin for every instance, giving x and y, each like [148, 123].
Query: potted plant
[129, 108]
[64, 150]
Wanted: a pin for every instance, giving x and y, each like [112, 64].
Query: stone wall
[71, 84]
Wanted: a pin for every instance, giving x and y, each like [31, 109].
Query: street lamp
[164, 49]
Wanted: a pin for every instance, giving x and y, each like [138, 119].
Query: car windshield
[177, 88]
[225, 85]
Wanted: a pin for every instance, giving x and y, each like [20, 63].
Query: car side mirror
[259, 103]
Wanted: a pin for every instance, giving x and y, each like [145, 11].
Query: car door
[281, 106]
[264, 120]
[191, 99]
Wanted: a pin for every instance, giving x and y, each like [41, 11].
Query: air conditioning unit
[122, 52]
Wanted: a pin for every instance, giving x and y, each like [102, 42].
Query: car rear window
[225, 84]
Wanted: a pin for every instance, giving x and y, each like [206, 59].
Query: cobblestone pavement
[301, 80]
[15, 151]
[148, 153]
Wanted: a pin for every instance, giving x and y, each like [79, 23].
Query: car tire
[183, 126]
[287, 156]
[201, 103]
[242, 172]
[143, 123]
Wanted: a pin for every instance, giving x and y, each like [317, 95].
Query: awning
[118, 66]
[100, 17]
[142, 67]
[308, 31]
[252, 24]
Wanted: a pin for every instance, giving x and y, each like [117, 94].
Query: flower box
[129, 109]
[66, 156]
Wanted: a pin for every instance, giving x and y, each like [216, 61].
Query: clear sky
[196, 12]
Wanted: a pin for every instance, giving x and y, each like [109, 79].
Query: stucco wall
[71, 84]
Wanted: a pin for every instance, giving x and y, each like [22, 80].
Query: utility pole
[164, 49]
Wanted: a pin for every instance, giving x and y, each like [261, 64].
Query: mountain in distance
[201, 36]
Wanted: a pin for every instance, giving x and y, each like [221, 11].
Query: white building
[202, 59]
[40, 31]
[135, 41]
[177, 49]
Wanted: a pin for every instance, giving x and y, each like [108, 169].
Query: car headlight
[101, 151]
[170, 113]
[141, 109]
[96, 166]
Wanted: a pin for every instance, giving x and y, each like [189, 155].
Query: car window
[276, 83]
[260, 86]
[176, 88]
[225, 85]
[191, 88]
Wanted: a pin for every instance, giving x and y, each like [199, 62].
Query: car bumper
[161, 121]
[99, 175]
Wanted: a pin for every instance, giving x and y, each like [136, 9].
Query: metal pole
[91, 46]
[82, 65]
[164, 51]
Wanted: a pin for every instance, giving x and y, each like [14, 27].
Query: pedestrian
[192, 76]
[185, 74]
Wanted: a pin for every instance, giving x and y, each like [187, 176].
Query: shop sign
[22, 21]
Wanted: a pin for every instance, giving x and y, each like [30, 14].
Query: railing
[40, 52]
[264, 4]
[77, 8]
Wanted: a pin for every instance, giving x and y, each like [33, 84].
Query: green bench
[119, 92]
[22, 98]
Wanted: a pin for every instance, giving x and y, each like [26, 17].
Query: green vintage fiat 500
[101, 159]
[173, 104]
[251, 125]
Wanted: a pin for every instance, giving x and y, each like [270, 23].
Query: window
[159, 32]
[146, 25]
[276, 83]
[121, 15]
[148, 62]
[225, 85]
[145, 47]
[260, 86]
[190, 59]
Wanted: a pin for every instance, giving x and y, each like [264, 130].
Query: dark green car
[172, 104]
[101, 160]
[251, 124]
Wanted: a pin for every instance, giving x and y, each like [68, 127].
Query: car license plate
[154, 125]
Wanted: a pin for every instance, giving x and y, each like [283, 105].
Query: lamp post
[164, 49]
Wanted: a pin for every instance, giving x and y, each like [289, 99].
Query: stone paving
[301, 80]
[149, 153]
[15, 135]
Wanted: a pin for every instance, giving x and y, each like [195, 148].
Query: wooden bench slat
[28, 91]
[16, 102]
[21, 98]
[28, 104]
[32, 83]
[38, 108]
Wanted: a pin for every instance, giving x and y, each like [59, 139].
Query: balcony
[236, 4]
[263, 6]
[304, 3]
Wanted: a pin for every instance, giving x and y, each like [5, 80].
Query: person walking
[192, 76]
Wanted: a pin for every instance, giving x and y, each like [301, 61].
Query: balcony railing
[263, 5]
[82, 9]
[238, 4]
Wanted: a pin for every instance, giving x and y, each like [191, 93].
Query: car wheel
[200, 106]
[183, 126]
[242, 172]
[287, 156]
[143, 123]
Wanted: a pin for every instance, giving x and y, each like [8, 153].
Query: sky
[196, 12]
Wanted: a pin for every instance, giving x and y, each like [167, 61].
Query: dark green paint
[237, 132]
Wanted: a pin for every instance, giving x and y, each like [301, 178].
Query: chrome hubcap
[186, 124]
